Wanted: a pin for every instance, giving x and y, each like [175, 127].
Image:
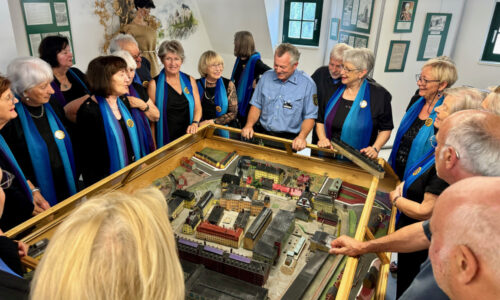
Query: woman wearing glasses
[23, 199]
[176, 96]
[359, 112]
[217, 94]
[416, 195]
[412, 138]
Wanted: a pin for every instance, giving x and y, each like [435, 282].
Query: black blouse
[260, 68]
[381, 110]
[208, 100]
[177, 112]
[95, 155]
[76, 91]
[405, 146]
[14, 136]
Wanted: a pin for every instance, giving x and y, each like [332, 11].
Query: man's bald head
[468, 145]
[466, 239]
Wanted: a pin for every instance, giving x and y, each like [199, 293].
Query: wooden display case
[161, 162]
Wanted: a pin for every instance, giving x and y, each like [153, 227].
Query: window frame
[317, 24]
[487, 55]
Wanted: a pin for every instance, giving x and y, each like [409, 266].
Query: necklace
[41, 114]
[430, 104]
[206, 96]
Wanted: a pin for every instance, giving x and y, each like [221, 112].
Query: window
[302, 22]
[492, 46]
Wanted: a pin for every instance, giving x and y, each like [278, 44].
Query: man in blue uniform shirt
[285, 100]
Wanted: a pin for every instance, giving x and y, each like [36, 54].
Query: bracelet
[196, 122]
[34, 190]
[376, 150]
[146, 109]
[395, 199]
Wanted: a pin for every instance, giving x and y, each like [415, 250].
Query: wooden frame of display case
[159, 163]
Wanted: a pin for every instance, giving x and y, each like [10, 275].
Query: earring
[27, 98]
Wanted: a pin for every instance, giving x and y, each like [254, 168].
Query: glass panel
[296, 10]
[294, 29]
[309, 11]
[496, 48]
[307, 30]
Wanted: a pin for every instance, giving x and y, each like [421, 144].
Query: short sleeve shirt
[284, 105]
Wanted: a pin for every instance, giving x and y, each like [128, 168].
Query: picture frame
[334, 29]
[434, 35]
[357, 15]
[405, 16]
[353, 39]
[396, 57]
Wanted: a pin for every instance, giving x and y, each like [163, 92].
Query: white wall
[469, 46]
[8, 46]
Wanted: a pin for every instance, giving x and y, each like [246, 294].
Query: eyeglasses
[138, 56]
[215, 66]
[418, 77]
[342, 67]
[7, 179]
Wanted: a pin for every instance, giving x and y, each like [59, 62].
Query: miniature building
[231, 264]
[303, 206]
[224, 236]
[205, 203]
[257, 228]
[269, 247]
[207, 284]
[236, 198]
[321, 241]
[175, 206]
[323, 202]
[242, 220]
[267, 183]
[189, 198]
[257, 206]
[267, 171]
[215, 215]
[188, 164]
[229, 179]
[302, 180]
[328, 218]
[334, 189]
[192, 221]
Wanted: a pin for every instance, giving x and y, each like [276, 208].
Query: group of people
[58, 123]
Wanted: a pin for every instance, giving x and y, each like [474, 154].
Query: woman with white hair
[359, 112]
[38, 137]
[137, 97]
[492, 101]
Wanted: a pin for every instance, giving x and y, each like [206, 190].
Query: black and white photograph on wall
[434, 35]
[437, 23]
[405, 16]
[357, 15]
[61, 14]
[364, 14]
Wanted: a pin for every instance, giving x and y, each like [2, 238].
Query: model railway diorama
[253, 222]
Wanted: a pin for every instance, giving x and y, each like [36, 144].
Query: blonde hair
[206, 59]
[443, 69]
[465, 98]
[114, 246]
[493, 103]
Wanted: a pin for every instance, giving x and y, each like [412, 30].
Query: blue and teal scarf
[39, 153]
[15, 168]
[57, 89]
[117, 146]
[162, 136]
[358, 125]
[143, 128]
[4, 267]
[221, 102]
[244, 88]
[421, 144]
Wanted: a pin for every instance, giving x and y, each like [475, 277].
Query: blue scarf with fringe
[15, 168]
[220, 98]
[143, 128]
[244, 89]
[57, 89]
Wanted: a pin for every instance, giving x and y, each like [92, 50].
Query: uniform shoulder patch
[315, 99]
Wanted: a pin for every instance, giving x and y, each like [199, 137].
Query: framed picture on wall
[357, 15]
[353, 39]
[434, 36]
[396, 58]
[334, 29]
[405, 15]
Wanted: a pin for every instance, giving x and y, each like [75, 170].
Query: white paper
[354, 14]
[397, 57]
[432, 46]
[35, 40]
[403, 25]
[61, 14]
[37, 13]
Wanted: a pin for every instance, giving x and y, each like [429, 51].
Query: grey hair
[291, 50]
[172, 46]
[494, 100]
[131, 64]
[361, 58]
[476, 226]
[465, 98]
[117, 42]
[28, 72]
[339, 50]
[477, 143]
